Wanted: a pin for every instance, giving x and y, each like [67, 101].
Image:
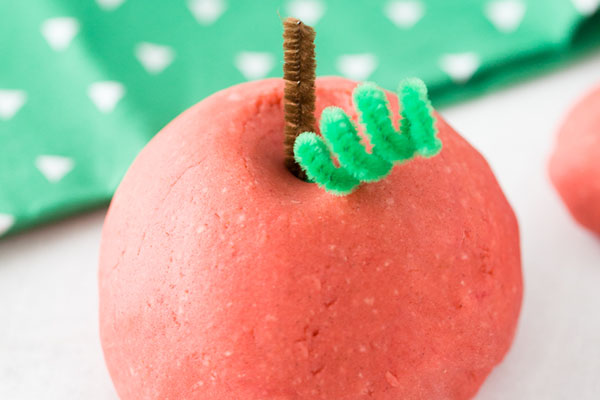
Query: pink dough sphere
[224, 277]
[575, 164]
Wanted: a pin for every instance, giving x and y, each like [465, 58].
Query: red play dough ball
[575, 164]
[222, 276]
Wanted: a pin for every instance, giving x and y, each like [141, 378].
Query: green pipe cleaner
[417, 136]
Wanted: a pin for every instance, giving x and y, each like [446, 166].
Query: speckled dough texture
[575, 163]
[223, 277]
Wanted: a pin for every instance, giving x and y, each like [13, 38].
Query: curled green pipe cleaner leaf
[417, 136]
[376, 117]
[418, 112]
[339, 131]
[311, 152]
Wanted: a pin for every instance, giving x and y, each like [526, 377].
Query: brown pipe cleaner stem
[299, 93]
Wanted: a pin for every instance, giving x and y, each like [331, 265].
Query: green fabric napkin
[84, 84]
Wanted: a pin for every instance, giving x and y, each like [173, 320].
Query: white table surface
[49, 346]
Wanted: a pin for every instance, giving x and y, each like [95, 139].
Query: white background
[49, 346]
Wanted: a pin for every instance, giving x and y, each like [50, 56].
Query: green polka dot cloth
[84, 84]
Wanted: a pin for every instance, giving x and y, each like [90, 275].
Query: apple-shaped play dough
[575, 164]
[223, 276]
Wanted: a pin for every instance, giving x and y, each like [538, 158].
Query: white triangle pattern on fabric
[11, 101]
[59, 32]
[54, 168]
[506, 15]
[154, 57]
[109, 5]
[207, 12]
[460, 66]
[6, 222]
[308, 11]
[405, 14]
[586, 7]
[105, 95]
[254, 65]
[357, 66]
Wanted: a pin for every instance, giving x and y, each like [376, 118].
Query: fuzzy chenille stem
[299, 93]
